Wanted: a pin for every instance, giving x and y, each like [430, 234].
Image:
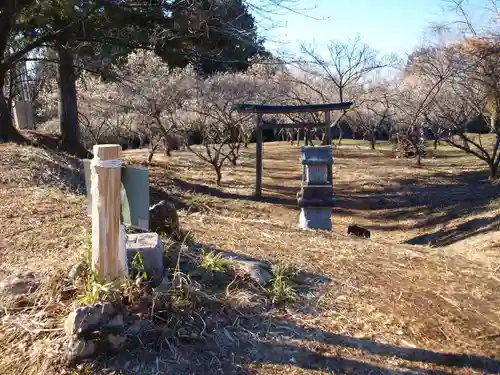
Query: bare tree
[303, 88]
[347, 67]
[476, 92]
[373, 114]
[214, 149]
[415, 97]
[155, 92]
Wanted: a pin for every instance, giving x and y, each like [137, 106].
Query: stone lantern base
[315, 218]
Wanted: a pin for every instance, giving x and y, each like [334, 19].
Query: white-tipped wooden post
[108, 251]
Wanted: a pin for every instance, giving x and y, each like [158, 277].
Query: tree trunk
[298, 138]
[436, 142]
[68, 107]
[419, 158]
[150, 156]
[219, 174]
[152, 151]
[493, 170]
[341, 135]
[324, 139]
[7, 130]
[6, 125]
[373, 142]
[309, 139]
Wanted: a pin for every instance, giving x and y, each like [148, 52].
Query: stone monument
[24, 115]
[315, 198]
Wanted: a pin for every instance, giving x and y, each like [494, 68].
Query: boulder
[256, 270]
[82, 321]
[81, 349]
[163, 218]
[116, 341]
[76, 271]
[19, 284]
[115, 324]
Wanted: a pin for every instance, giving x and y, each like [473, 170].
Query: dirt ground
[419, 297]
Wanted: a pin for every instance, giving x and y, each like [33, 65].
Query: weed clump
[282, 289]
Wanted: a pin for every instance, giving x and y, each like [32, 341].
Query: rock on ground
[20, 284]
[163, 218]
[253, 268]
[256, 270]
[85, 320]
[82, 349]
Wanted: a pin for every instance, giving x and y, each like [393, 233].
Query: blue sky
[390, 26]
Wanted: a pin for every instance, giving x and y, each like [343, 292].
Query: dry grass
[382, 305]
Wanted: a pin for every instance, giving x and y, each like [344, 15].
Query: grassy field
[419, 297]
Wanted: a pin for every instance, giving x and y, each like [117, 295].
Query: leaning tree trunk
[7, 130]
[6, 125]
[68, 106]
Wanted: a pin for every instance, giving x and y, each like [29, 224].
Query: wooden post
[258, 160]
[329, 143]
[108, 252]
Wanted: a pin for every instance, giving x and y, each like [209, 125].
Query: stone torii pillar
[315, 198]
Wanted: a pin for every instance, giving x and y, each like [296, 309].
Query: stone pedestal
[150, 246]
[316, 196]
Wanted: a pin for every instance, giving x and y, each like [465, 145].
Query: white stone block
[316, 218]
[150, 246]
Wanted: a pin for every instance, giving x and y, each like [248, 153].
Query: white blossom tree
[152, 90]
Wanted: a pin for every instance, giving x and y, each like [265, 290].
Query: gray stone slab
[316, 196]
[316, 218]
[315, 191]
[150, 246]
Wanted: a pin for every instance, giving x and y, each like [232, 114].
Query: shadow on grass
[464, 230]
[215, 192]
[428, 203]
[219, 338]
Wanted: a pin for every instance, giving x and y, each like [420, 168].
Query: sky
[389, 26]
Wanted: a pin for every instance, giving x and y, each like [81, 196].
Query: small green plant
[212, 261]
[138, 268]
[283, 286]
[94, 291]
[87, 247]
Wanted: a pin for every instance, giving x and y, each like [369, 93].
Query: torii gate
[260, 110]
